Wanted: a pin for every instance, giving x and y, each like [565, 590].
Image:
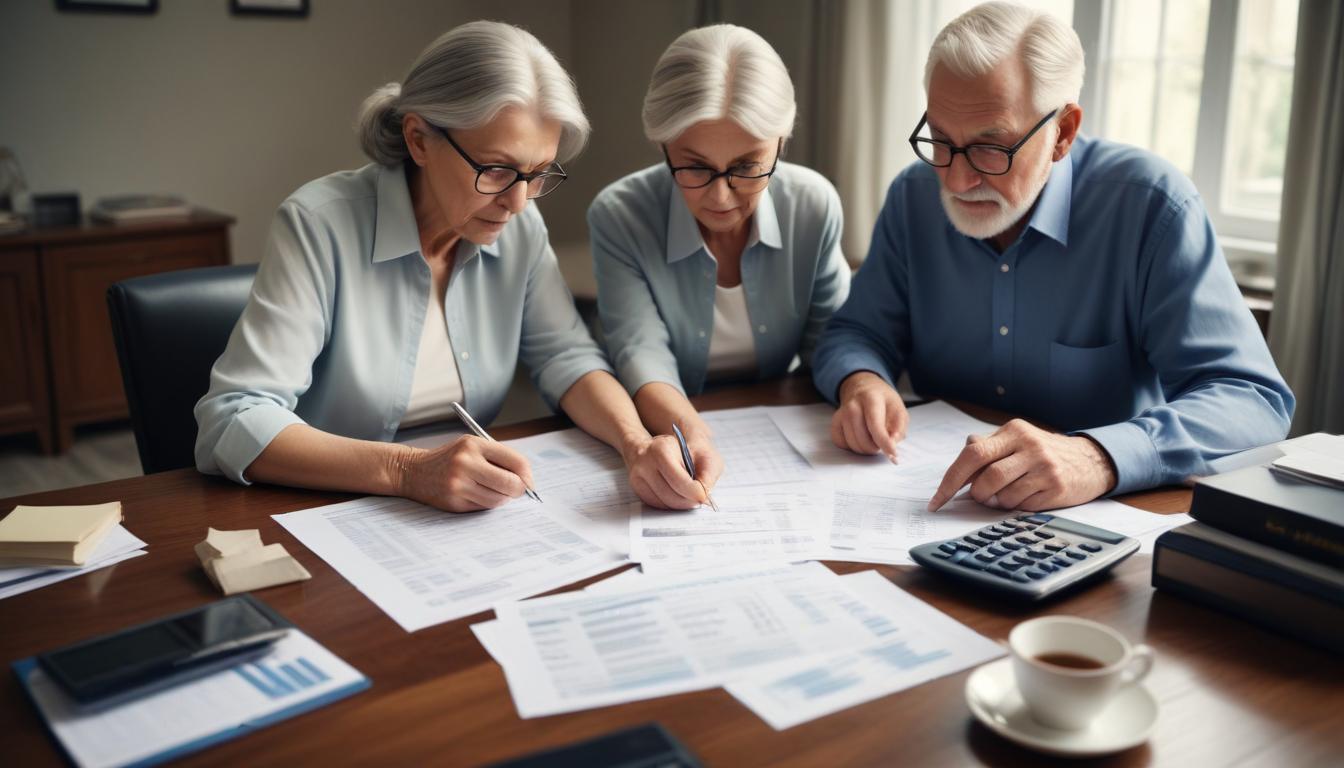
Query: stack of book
[1267, 545]
[134, 208]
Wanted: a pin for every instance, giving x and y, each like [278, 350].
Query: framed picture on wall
[297, 8]
[109, 6]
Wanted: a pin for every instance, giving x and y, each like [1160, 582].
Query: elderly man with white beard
[1076, 282]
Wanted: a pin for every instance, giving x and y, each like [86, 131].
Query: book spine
[1274, 606]
[1279, 528]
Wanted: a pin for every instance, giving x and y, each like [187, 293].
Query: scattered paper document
[237, 561]
[878, 527]
[935, 435]
[119, 544]
[55, 536]
[423, 566]
[664, 635]
[912, 643]
[1313, 468]
[754, 451]
[297, 675]
[779, 522]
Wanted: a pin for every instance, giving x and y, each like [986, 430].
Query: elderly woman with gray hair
[723, 262]
[390, 292]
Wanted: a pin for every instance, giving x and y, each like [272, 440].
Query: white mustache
[980, 195]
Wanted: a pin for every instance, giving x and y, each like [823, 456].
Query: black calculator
[1029, 556]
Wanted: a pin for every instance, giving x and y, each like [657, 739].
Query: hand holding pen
[690, 465]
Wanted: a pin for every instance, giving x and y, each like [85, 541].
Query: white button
[702, 334]
[1003, 267]
[1003, 330]
[762, 329]
[466, 355]
[1000, 390]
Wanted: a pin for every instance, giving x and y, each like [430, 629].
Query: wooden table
[1231, 694]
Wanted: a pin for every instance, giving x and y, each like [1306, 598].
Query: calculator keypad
[1016, 550]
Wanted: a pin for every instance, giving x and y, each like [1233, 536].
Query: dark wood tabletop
[1230, 693]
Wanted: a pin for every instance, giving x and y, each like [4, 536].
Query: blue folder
[24, 667]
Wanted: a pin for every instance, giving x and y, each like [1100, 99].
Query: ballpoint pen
[481, 433]
[690, 464]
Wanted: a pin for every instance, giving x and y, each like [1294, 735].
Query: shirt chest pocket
[1089, 386]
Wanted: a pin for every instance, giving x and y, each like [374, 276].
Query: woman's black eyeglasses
[493, 179]
[989, 159]
[745, 177]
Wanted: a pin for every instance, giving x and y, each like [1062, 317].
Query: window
[1161, 75]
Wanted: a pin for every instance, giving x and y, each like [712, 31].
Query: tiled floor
[107, 452]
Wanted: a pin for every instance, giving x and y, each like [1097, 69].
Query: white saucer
[1126, 721]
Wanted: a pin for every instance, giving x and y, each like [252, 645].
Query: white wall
[233, 113]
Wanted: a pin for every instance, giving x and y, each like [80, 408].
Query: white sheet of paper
[423, 566]
[913, 643]
[664, 635]
[298, 669]
[754, 451]
[777, 522]
[119, 544]
[880, 527]
[584, 484]
[935, 435]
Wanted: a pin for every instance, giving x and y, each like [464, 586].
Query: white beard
[985, 226]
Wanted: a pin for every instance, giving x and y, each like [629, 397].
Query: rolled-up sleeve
[1223, 391]
[637, 340]
[267, 365]
[554, 344]
[871, 331]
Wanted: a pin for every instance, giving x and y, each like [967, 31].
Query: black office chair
[169, 329]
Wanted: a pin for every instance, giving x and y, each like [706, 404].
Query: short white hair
[980, 39]
[717, 72]
[464, 79]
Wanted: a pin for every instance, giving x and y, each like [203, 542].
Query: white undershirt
[732, 348]
[436, 384]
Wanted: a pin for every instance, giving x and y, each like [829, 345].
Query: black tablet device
[131, 662]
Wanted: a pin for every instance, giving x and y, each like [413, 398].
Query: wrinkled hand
[871, 418]
[659, 477]
[1024, 467]
[465, 475]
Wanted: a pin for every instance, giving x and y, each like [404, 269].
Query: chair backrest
[169, 330]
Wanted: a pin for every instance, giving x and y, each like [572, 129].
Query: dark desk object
[1260, 504]
[1230, 693]
[62, 364]
[169, 329]
[645, 746]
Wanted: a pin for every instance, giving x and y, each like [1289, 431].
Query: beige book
[55, 535]
[236, 561]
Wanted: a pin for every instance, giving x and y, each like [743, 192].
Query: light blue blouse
[332, 328]
[655, 278]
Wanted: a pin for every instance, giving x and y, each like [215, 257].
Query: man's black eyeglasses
[493, 179]
[989, 159]
[746, 177]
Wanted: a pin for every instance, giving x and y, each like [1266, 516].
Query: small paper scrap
[237, 561]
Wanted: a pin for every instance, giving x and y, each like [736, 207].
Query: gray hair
[463, 80]
[978, 40]
[715, 72]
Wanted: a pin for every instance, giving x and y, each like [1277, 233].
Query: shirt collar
[1051, 217]
[683, 234]
[395, 233]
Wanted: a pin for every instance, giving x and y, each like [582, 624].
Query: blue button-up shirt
[1113, 314]
[332, 329]
[655, 278]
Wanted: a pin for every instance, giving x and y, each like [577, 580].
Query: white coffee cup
[1069, 697]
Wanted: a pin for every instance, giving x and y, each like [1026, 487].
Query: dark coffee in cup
[1069, 661]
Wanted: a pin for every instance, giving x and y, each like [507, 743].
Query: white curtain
[1306, 332]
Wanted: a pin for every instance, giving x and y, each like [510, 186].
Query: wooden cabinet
[24, 393]
[67, 317]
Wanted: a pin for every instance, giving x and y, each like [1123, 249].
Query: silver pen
[481, 433]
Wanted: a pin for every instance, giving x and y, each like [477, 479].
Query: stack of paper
[237, 561]
[793, 642]
[55, 536]
[118, 545]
